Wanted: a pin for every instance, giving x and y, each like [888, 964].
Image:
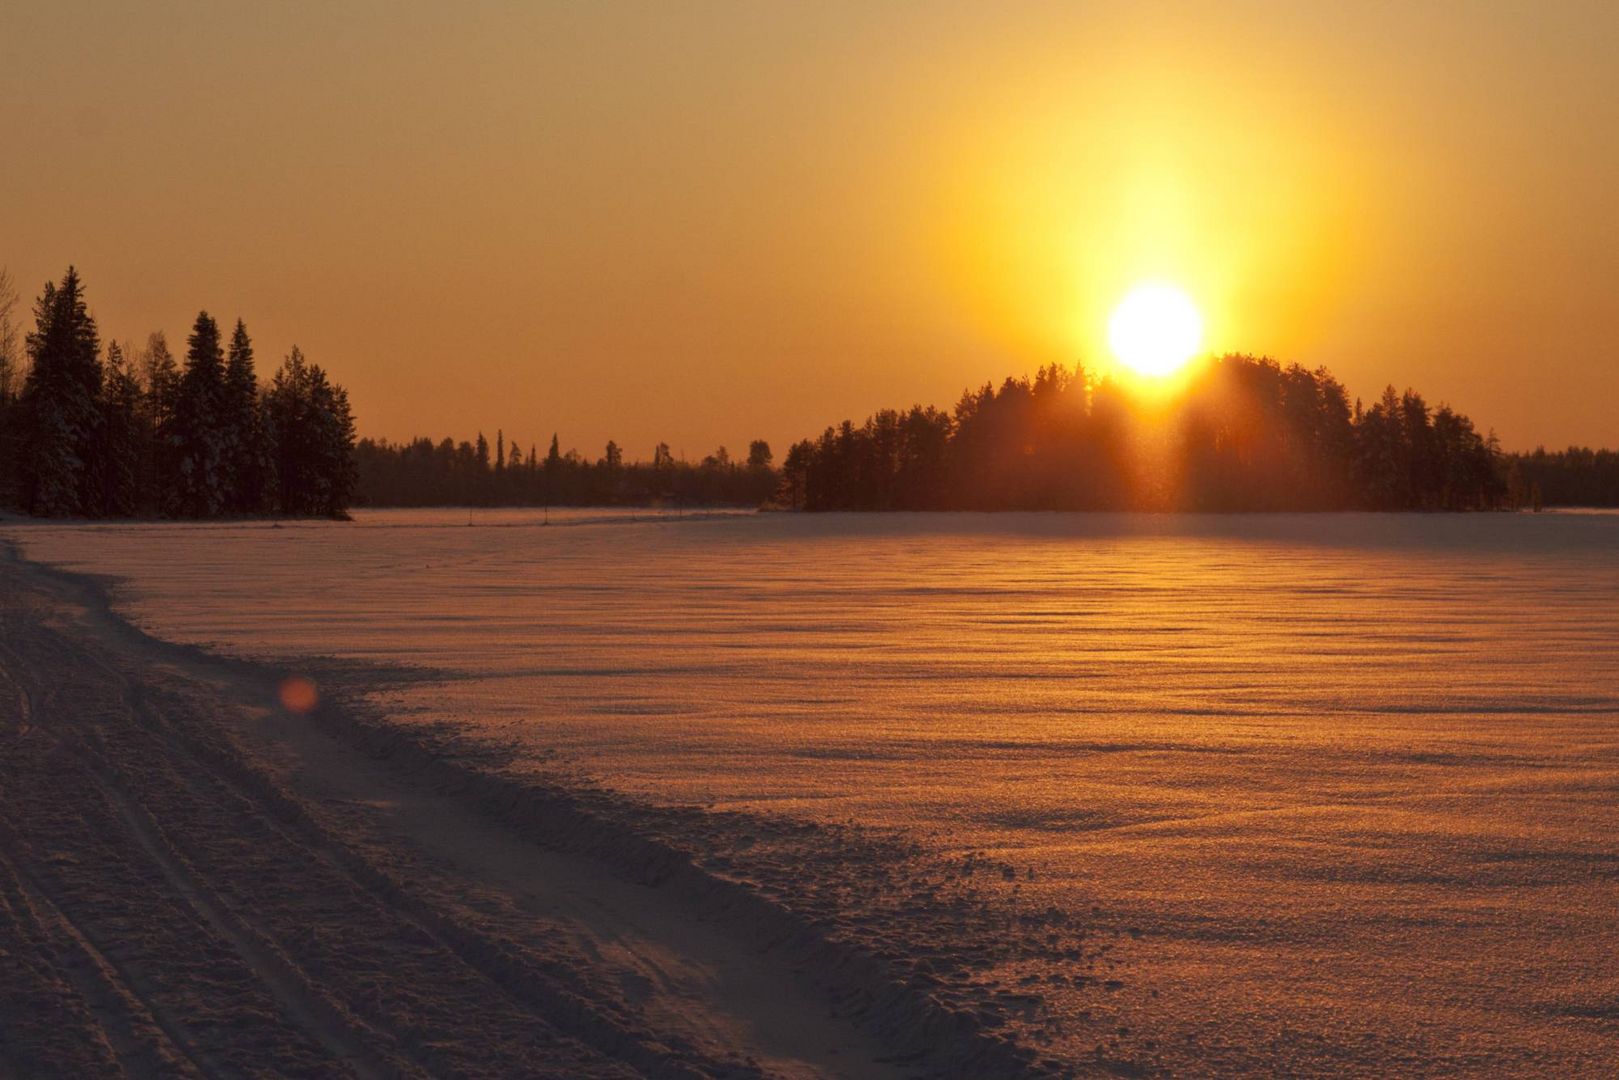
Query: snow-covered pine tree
[248, 453]
[332, 443]
[199, 437]
[313, 430]
[283, 410]
[60, 408]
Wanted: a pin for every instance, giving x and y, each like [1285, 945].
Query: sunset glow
[832, 541]
[646, 225]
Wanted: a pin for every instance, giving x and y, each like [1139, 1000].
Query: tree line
[1245, 434]
[132, 432]
[1578, 476]
[422, 472]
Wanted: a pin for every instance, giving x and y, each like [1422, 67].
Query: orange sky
[707, 222]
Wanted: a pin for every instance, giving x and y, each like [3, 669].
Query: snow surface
[1344, 787]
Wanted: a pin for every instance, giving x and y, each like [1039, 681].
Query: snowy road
[195, 883]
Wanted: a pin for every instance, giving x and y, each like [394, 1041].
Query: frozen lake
[1347, 786]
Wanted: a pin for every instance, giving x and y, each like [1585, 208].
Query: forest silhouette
[1244, 433]
[449, 473]
[133, 433]
[136, 434]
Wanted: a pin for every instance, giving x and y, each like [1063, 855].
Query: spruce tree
[497, 485]
[159, 377]
[60, 408]
[200, 433]
[284, 413]
[313, 429]
[332, 442]
[248, 454]
[122, 437]
[11, 379]
[11, 342]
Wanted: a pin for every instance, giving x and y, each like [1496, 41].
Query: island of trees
[1243, 434]
[132, 432]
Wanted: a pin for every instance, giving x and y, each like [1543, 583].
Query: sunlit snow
[1348, 785]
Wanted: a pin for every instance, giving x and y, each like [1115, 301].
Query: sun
[1155, 329]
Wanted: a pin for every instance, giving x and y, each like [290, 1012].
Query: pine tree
[11, 344]
[282, 409]
[200, 434]
[331, 442]
[121, 437]
[313, 430]
[159, 377]
[248, 455]
[61, 404]
[484, 482]
[11, 380]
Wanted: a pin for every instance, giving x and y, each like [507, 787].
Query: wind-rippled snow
[1350, 782]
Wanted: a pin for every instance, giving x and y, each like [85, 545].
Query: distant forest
[1578, 476]
[133, 433]
[447, 473]
[1245, 434]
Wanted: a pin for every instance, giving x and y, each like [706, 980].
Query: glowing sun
[1155, 329]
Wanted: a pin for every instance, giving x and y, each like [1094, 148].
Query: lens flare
[298, 695]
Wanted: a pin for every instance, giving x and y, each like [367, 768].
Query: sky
[709, 222]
